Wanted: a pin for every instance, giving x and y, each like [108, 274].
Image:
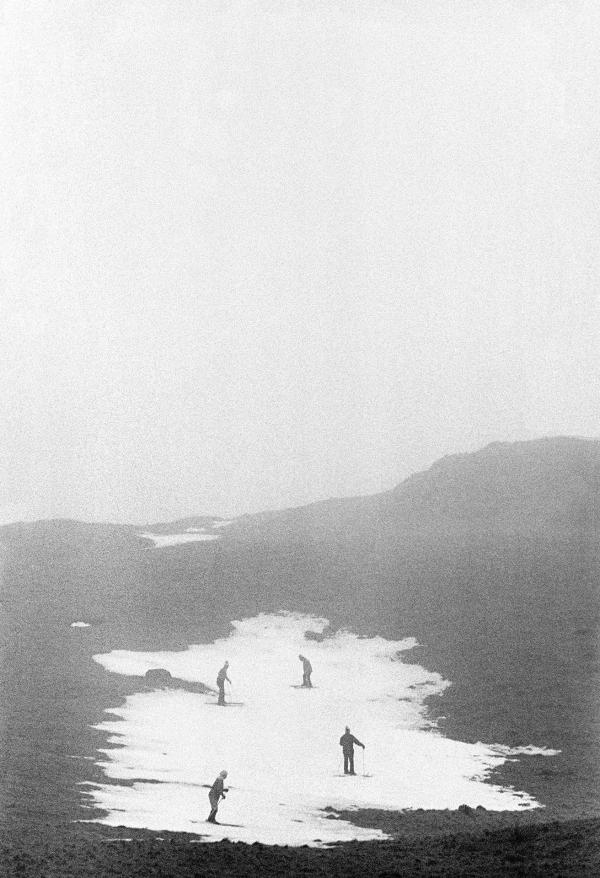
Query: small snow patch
[80, 625]
[528, 750]
[162, 540]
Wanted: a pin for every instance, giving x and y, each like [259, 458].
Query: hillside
[490, 560]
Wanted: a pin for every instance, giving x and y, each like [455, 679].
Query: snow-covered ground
[280, 742]
[162, 540]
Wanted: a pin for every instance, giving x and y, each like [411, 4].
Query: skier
[221, 677]
[347, 742]
[306, 672]
[216, 793]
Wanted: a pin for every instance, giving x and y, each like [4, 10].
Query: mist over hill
[490, 560]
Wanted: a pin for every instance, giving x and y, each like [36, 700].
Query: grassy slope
[545, 850]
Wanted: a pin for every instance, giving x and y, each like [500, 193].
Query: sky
[259, 253]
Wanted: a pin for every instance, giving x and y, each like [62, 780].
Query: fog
[260, 253]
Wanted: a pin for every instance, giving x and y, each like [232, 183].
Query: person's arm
[356, 741]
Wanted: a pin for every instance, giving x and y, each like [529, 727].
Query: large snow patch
[280, 743]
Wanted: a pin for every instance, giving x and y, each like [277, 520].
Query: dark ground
[491, 561]
[548, 850]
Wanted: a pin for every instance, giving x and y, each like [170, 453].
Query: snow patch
[80, 625]
[279, 741]
[528, 750]
[162, 540]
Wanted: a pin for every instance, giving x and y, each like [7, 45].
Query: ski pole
[363, 749]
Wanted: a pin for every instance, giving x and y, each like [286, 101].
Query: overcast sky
[261, 253]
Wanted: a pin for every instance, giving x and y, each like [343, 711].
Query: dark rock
[319, 636]
[158, 677]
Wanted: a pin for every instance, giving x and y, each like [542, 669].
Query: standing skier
[221, 677]
[306, 671]
[347, 742]
[216, 793]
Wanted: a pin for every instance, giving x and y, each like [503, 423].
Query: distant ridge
[544, 484]
[549, 475]
[558, 468]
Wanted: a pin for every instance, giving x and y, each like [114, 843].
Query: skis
[236, 825]
[227, 704]
[353, 775]
[218, 823]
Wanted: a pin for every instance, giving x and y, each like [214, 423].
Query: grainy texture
[491, 560]
[550, 850]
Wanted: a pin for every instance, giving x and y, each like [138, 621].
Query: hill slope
[490, 559]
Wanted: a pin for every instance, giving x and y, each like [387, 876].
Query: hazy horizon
[229, 516]
[260, 254]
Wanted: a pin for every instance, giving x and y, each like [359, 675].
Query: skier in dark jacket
[347, 742]
[217, 792]
[221, 677]
[306, 672]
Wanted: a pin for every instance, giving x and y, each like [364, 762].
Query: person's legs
[222, 694]
[214, 806]
[346, 763]
[351, 759]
